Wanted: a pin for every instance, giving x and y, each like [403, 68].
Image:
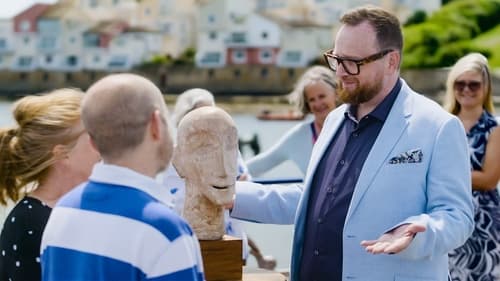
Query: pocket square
[410, 156]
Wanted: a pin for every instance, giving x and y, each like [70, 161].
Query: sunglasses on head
[472, 85]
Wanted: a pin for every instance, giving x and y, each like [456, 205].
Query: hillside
[459, 27]
[490, 41]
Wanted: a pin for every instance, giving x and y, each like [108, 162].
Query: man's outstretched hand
[393, 241]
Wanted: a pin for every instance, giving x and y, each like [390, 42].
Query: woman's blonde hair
[189, 100]
[313, 74]
[26, 150]
[474, 62]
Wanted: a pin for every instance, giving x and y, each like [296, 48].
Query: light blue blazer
[417, 171]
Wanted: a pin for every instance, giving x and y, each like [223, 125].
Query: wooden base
[222, 259]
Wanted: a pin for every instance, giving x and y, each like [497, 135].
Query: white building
[6, 43]
[60, 40]
[302, 44]
[133, 47]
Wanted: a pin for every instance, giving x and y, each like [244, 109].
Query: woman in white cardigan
[314, 93]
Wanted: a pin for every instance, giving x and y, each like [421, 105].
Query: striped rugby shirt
[116, 227]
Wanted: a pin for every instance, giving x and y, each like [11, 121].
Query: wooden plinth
[222, 259]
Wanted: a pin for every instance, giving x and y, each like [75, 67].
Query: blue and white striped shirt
[115, 227]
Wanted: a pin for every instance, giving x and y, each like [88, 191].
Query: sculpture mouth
[220, 187]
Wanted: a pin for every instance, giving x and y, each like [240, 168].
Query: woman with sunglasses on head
[469, 97]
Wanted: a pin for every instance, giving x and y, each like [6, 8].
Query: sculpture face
[207, 153]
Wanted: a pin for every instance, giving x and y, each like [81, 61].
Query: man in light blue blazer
[387, 192]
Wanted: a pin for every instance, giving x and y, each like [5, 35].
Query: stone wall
[235, 80]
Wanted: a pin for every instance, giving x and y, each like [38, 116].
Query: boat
[289, 115]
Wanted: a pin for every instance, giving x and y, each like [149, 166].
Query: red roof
[30, 15]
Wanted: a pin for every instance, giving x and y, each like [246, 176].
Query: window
[213, 35]
[47, 43]
[3, 43]
[97, 59]
[72, 61]
[265, 56]
[264, 35]
[292, 56]
[91, 40]
[25, 61]
[25, 25]
[211, 58]
[118, 61]
[93, 4]
[48, 59]
[239, 56]
[211, 18]
[238, 37]
[120, 42]
[166, 27]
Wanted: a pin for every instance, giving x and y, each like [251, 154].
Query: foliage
[186, 58]
[418, 16]
[490, 41]
[446, 35]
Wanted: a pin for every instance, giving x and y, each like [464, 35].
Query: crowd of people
[396, 186]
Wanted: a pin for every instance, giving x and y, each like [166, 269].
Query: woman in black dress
[45, 155]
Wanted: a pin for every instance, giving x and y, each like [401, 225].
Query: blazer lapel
[393, 128]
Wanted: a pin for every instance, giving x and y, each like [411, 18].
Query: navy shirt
[332, 188]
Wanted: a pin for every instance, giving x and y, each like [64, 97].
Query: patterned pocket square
[410, 156]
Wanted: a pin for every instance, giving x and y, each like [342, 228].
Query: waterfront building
[26, 38]
[60, 43]
[111, 35]
[6, 43]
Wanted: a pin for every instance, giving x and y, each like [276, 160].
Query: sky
[9, 8]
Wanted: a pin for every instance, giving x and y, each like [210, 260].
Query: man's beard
[361, 94]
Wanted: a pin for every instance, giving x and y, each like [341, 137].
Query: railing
[277, 180]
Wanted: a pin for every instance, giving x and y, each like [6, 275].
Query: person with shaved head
[116, 226]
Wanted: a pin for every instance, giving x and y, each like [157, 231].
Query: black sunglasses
[460, 85]
[351, 66]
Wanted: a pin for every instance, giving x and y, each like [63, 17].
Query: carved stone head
[206, 157]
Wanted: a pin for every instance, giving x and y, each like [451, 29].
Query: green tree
[418, 16]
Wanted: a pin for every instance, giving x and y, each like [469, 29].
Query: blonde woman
[314, 93]
[42, 157]
[468, 96]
